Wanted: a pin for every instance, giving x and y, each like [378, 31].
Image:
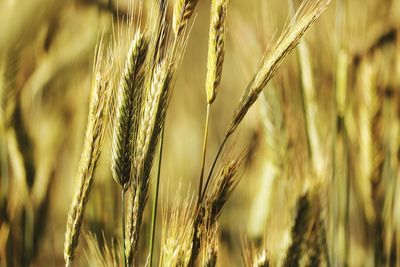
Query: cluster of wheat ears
[311, 175]
[134, 106]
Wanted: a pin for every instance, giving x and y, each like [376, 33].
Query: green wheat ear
[128, 109]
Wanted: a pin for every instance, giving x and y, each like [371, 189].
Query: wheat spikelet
[129, 98]
[305, 17]
[210, 246]
[224, 185]
[90, 154]
[216, 47]
[132, 229]
[183, 10]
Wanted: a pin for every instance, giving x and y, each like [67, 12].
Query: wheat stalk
[215, 59]
[90, 154]
[308, 12]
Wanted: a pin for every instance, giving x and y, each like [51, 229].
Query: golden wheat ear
[309, 11]
[177, 232]
[183, 10]
[216, 47]
[95, 131]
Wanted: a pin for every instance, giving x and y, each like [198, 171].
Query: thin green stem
[123, 224]
[214, 164]
[203, 160]
[155, 200]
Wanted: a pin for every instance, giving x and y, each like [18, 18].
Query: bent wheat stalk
[308, 12]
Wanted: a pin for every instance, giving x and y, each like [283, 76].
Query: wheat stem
[203, 160]
[214, 164]
[123, 224]
[155, 200]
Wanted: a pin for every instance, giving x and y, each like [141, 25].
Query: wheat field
[200, 133]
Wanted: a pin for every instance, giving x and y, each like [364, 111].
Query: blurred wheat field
[199, 133]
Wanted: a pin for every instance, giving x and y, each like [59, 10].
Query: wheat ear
[129, 101]
[90, 154]
[211, 205]
[183, 10]
[216, 47]
[128, 107]
[305, 17]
